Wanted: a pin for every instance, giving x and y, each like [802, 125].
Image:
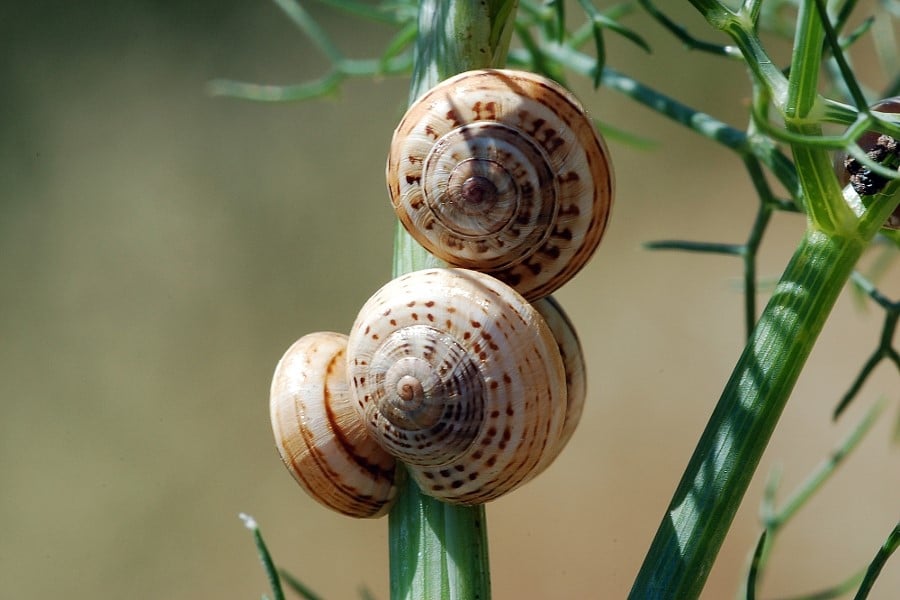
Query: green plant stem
[439, 550]
[888, 548]
[714, 482]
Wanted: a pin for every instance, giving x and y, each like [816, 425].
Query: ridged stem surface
[438, 550]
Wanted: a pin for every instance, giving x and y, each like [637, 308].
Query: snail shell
[455, 374]
[501, 171]
[319, 435]
[576, 374]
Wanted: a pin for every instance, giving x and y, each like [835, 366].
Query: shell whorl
[576, 373]
[319, 435]
[455, 374]
[501, 171]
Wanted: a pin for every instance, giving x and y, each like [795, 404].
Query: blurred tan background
[160, 249]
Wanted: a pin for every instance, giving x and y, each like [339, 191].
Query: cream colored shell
[501, 171]
[319, 435]
[576, 374]
[460, 378]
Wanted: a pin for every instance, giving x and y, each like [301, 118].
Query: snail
[459, 377]
[881, 149]
[318, 434]
[575, 372]
[448, 370]
[501, 171]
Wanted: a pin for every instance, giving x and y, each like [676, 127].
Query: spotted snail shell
[459, 377]
[318, 432]
[452, 371]
[501, 171]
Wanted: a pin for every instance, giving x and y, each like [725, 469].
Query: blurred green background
[160, 249]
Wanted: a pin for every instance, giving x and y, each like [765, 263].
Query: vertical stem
[439, 550]
[711, 489]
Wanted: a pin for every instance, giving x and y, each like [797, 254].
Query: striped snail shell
[319, 435]
[501, 171]
[459, 377]
[576, 375]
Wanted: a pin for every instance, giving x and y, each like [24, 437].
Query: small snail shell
[879, 148]
[455, 374]
[501, 171]
[318, 432]
[576, 375]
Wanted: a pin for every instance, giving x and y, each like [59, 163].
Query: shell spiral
[576, 373]
[501, 171]
[456, 375]
[319, 435]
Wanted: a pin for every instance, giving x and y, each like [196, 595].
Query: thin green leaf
[601, 20]
[612, 132]
[366, 594]
[753, 573]
[302, 590]
[890, 545]
[846, 72]
[264, 557]
[836, 591]
[400, 42]
[317, 88]
[539, 62]
[682, 34]
[703, 247]
[559, 9]
[308, 25]
[600, 48]
[857, 33]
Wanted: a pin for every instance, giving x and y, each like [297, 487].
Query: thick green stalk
[439, 550]
[711, 489]
[728, 452]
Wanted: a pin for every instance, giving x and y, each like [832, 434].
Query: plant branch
[714, 482]
[439, 550]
